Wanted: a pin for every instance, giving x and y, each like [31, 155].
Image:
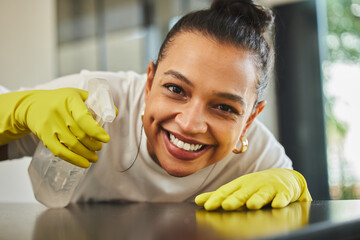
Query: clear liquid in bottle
[54, 180]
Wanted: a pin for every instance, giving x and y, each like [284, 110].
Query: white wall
[27, 57]
[27, 43]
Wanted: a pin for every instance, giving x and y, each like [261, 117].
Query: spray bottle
[55, 180]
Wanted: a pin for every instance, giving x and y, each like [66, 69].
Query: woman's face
[198, 103]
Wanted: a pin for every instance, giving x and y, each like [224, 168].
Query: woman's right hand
[58, 117]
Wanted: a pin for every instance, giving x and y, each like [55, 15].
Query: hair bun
[256, 16]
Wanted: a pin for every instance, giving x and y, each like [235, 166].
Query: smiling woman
[178, 124]
[199, 100]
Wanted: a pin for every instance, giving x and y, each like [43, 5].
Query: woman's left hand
[255, 190]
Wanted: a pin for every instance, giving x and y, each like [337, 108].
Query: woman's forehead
[196, 55]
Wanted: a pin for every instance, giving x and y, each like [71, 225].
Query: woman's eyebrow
[228, 96]
[232, 97]
[179, 76]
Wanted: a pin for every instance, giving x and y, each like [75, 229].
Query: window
[341, 89]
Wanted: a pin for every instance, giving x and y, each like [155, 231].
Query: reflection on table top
[316, 220]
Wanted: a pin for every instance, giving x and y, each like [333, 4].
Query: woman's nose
[192, 119]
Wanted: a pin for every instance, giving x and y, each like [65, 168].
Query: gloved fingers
[71, 142]
[281, 200]
[86, 122]
[236, 200]
[261, 198]
[216, 199]
[91, 127]
[89, 142]
[213, 203]
[66, 154]
[202, 198]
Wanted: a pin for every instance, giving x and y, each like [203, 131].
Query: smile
[184, 145]
[183, 149]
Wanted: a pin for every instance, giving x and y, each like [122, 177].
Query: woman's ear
[259, 107]
[150, 79]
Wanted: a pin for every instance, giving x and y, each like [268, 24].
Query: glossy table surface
[317, 220]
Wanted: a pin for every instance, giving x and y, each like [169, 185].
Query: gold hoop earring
[142, 115]
[244, 146]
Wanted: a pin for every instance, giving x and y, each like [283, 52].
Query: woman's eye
[175, 89]
[226, 108]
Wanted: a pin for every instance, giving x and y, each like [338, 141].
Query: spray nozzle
[99, 101]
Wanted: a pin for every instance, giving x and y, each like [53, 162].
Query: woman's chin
[178, 172]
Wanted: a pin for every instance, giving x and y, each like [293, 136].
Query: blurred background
[311, 101]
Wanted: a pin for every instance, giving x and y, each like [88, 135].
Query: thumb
[305, 196]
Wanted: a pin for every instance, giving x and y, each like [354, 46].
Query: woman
[199, 99]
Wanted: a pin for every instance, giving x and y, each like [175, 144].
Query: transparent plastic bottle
[55, 180]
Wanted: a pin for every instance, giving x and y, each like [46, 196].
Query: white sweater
[118, 176]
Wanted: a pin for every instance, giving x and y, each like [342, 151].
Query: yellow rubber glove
[59, 118]
[255, 190]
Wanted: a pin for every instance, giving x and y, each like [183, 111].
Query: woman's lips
[179, 152]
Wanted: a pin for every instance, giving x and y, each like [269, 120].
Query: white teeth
[187, 146]
[180, 144]
[192, 147]
[183, 145]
